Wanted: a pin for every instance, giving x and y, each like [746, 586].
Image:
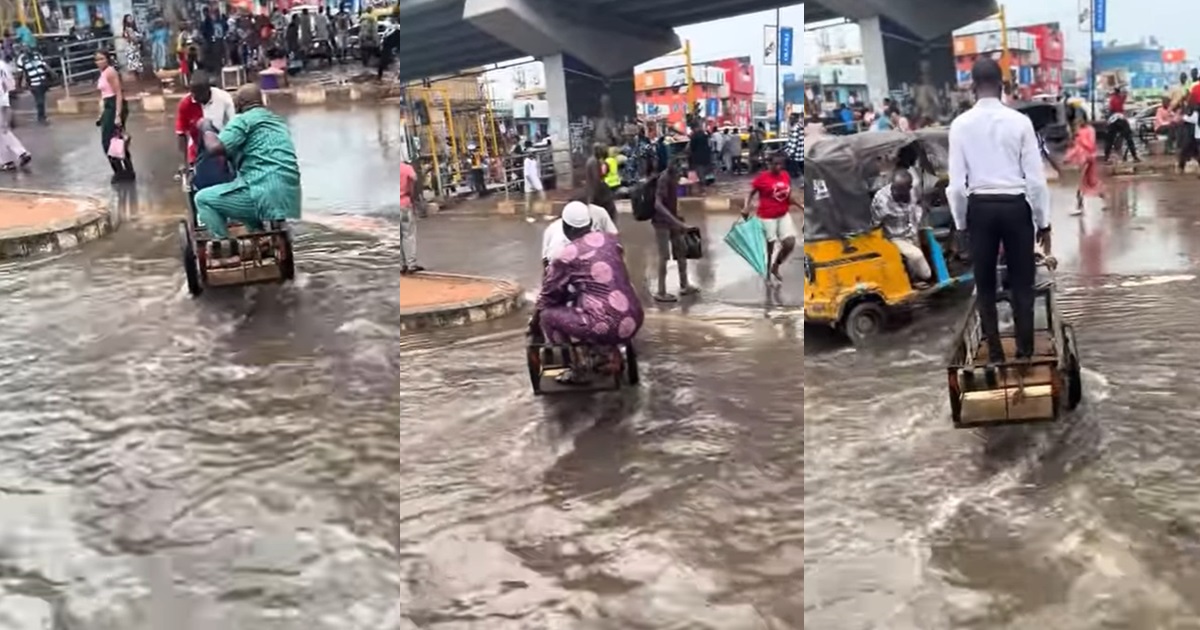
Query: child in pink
[1083, 154]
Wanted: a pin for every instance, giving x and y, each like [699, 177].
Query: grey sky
[732, 37]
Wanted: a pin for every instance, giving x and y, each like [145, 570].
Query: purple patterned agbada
[606, 309]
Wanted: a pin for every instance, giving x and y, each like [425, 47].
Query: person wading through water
[998, 195]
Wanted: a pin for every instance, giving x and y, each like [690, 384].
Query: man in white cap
[579, 215]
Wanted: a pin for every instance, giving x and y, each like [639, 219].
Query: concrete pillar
[560, 119]
[874, 59]
[574, 93]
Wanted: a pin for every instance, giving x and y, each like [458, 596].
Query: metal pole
[778, 86]
[1092, 56]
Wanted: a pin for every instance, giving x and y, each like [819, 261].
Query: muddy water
[1094, 523]
[677, 504]
[281, 458]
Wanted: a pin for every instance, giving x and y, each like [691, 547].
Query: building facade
[1035, 52]
[1142, 67]
[726, 87]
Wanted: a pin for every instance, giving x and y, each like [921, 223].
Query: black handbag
[691, 242]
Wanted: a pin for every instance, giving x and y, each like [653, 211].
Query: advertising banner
[785, 46]
[770, 45]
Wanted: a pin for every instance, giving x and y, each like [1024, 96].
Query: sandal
[665, 297]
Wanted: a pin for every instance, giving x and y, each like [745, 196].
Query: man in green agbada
[258, 146]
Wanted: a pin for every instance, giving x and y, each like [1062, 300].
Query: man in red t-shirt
[1118, 126]
[773, 187]
[202, 102]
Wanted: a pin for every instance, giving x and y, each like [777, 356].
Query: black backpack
[644, 198]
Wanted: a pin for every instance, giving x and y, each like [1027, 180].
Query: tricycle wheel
[191, 267]
[865, 321]
[1074, 370]
[533, 357]
[631, 365]
[287, 266]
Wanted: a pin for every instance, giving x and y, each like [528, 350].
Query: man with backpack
[657, 201]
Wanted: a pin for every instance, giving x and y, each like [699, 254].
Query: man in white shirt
[533, 181]
[576, 214]
[12, 152]
[998, 195]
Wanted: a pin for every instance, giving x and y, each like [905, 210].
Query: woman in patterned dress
[133, 45]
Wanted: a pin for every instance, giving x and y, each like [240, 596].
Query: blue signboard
[1025, 75]
[714, 107]
[963, 76]
[1099, 17]
[785, 45]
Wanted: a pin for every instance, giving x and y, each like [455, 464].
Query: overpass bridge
[590, 47]
[897, 35]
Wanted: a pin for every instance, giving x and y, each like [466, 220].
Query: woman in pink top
[408, 220]
[113, 113]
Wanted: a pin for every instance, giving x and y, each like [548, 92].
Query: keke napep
[855, 277]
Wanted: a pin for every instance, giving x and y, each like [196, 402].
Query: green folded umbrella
[748, 239]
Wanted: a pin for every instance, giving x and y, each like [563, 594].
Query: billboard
[785, 46]
[964, 45]
[1176, 55]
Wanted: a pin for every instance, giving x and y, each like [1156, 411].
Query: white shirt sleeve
[1034, 171]
[956, 192]
[1192, 117]
[548, 238]
[531, 169]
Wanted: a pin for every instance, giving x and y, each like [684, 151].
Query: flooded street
[281, 458]
[1093, 523]
[677, 504]
[169, 462]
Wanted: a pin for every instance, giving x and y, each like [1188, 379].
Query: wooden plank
[1038, 374]
[999, 405]
[1043, 346]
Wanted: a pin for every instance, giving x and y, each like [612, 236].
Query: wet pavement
[1094, 523]
[676, 504]
[196, 464]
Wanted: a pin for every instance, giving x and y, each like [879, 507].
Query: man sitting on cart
[587, 296]
[267, 186]
[900, 215]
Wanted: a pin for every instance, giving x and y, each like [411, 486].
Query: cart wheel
[631, 365]
[191, 267]
[865, 321]
[1074, 370]
[287, 266]
[533, 357]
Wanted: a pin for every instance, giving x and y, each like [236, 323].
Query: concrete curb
[513, 207]
[58, 236]
[300, 96]
[505, 299]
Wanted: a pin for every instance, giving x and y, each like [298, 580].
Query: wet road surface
[677, 504]
[1094, 523]
[196, 464]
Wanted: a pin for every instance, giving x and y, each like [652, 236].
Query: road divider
[295, 96]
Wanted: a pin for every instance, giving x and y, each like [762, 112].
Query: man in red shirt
[203, 102]
[773, 187]
[1118, 126]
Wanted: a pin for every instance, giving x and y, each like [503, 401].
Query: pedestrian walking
[1083, 154]
[408, 220]
[12, 152]
[998, 193]
[1118, 126]
[35, 73]
[533, 181]
[669, 232]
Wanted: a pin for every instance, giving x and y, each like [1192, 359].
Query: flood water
[677, 504]
[282, 458]
[1093, 523]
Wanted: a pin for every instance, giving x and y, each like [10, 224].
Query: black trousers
[1188, 148]
[1119, 130]
[992, 221]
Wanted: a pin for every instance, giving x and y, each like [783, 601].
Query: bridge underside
[446, 36]
[924, 19]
